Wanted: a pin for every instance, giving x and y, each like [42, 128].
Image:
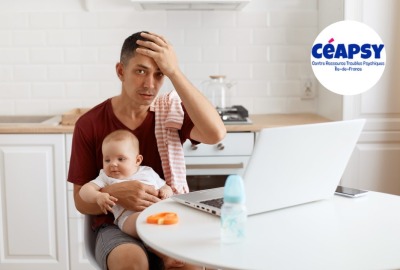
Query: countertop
[259, 121]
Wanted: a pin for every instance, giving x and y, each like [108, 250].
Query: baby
[121, 162]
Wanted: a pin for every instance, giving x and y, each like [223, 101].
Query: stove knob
[220, 146]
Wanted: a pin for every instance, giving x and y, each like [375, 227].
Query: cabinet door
[33, 233]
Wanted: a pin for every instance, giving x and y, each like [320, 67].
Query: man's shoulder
[97, 112]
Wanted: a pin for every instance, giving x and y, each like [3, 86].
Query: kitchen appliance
[269, 186]
[235, 115]
[217, 90]
[208, 166]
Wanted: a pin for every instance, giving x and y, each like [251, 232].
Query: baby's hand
[106, 202]
[165, 192]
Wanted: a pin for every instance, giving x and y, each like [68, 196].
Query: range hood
[189, 4]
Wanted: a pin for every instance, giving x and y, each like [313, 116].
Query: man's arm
[208, 126]
[132, 195]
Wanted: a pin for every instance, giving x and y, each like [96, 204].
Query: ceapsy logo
[342, 51]
[348, 57]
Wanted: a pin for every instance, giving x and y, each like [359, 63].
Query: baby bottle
[233, 211]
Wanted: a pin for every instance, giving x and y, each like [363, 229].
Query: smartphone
[350, 192]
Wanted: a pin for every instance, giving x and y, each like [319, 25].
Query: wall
[56, 55]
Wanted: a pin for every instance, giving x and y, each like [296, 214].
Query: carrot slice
[163, 218]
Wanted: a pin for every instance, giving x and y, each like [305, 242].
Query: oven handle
[215, 166]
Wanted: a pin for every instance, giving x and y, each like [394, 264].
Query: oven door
[207, 166]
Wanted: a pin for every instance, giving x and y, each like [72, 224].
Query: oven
[207, 166]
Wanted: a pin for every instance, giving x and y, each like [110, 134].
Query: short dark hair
[129, 47]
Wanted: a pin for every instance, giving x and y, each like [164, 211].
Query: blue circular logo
[348, 57]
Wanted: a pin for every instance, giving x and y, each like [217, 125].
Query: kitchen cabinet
[374, 164]
[33, 232]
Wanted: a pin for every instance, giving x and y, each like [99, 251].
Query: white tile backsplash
[45, 20]
[26, 38]
[64, 38]
[219, 54]
[82, 90]
[186, 19]
[252, 19]
[56, 58]
[80, 20]
[48, 91]
[32, 106]
[5, 74]
[6, 38]
[13, 56]
[252, 54]
[46, 56]
[292, 18]
[30, 73]
[88, 55]
[212, 19]
[201, 37]
[15, 91]
[64, 73]
[237, 36]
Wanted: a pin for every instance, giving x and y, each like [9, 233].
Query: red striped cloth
[168, 120]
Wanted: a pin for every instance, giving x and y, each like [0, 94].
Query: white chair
[90, 241]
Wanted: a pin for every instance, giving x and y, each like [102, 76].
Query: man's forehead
[142, 61]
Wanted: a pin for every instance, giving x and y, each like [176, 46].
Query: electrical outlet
[307, 89]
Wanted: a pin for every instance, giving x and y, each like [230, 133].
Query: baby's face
[120, 160]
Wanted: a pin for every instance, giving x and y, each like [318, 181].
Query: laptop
[289, 166]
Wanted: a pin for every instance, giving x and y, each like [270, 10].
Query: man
[145, 59]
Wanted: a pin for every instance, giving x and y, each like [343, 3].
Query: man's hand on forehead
[160, 50]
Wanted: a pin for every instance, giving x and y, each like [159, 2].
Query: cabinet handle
[220, 146]
[215, 166]
[193, 146]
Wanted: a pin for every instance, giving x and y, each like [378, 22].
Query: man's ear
[139, 159]
[119, 68]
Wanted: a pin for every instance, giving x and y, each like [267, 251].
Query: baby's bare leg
[129, 226]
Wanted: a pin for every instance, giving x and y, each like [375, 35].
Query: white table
[339, 233]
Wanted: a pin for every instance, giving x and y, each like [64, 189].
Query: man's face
[141, 79]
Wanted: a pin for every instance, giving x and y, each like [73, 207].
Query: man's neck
[129, 114]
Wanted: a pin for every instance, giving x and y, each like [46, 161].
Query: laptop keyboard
[214, 202]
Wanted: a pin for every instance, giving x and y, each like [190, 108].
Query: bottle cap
[234, 189]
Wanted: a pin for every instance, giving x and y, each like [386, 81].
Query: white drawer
[234, 144]
[223, 165]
